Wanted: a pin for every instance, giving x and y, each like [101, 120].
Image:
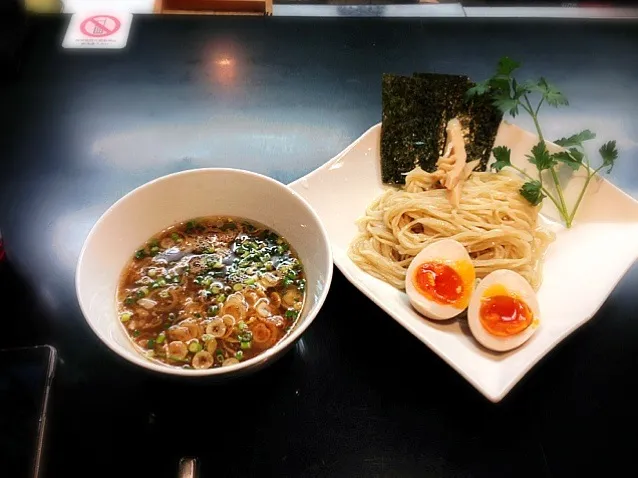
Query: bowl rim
[256, 361]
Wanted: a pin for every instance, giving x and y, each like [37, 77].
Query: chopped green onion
[163, 294]
[245, 345]
[215, 290]
[129, 301]
[153, 243]
[161, 338]
[207, 281]
[269, 265]
[194, 347]
[175, 236]
[150, 344]
[152, 272]
[141, 254]
[220, 357]
[239, 355]
[125, 317]
[218, 265]
[142, 292]
[221, 298]
[207, 337]
[212, 310]
[241, 325]
[245, 336]
[136, 333]
[155, 249]
[291, 313]
[238, 287]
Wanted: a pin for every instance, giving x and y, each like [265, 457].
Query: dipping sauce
[211, 292]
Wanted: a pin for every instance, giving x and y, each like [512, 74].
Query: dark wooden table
[358, 396]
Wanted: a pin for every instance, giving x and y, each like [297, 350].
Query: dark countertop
[358, 396]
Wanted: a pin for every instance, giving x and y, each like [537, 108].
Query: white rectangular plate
[580, 270]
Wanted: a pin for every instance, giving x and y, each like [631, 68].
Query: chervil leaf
[500, 85]
[541, 157]
[478, 89]
[506, 104]
[502, 156]
[609, 153]
[577, 154]
[529, 86]
[576, 139]
[532, 191]
[519, 90]
[551, 94]
[572, 158]
[506, 66]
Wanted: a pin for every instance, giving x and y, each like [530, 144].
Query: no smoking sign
[99, 26]
[98, 30]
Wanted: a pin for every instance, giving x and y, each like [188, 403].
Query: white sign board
[98, 30]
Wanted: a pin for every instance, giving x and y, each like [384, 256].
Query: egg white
[515, 284]
[445, 250]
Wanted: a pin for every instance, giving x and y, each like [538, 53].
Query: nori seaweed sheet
[408, 136]
[415, 113]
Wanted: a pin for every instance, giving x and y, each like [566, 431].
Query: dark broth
[210, 292]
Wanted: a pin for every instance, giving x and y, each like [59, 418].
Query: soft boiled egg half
[503, 313]
[440, 280]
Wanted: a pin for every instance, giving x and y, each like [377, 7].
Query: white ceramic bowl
[178, 197]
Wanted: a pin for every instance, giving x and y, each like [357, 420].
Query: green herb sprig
[510, 96]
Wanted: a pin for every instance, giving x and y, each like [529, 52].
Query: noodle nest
[498, 227]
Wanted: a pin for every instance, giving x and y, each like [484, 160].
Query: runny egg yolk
[443, 283]
[502, 313]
